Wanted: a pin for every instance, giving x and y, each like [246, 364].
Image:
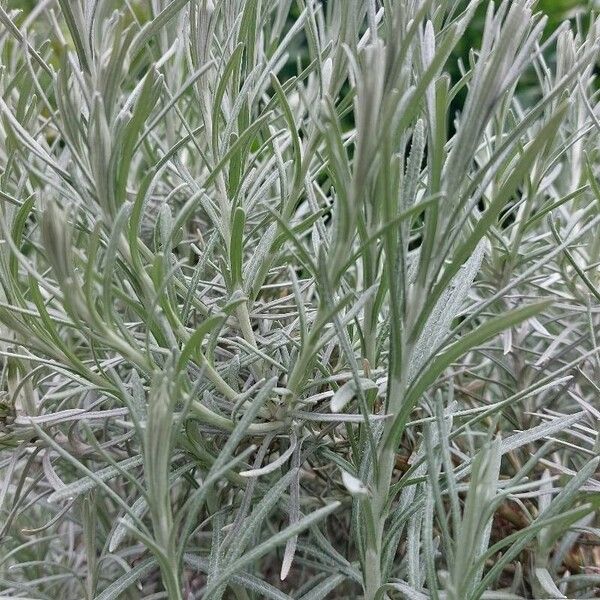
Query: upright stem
[170, 578]
[373, 576]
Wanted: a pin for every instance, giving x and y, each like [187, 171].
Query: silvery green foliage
[297, 303]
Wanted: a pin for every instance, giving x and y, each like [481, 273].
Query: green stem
[216, 420]
[170, 578]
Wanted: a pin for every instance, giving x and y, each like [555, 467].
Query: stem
[373, 576]
[216, 420]
[170, 577]
[245, 326]
[372, 572]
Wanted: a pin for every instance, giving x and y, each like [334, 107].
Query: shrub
[283, 324]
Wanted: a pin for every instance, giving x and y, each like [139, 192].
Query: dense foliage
[299, 299]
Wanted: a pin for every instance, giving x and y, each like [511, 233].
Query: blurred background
[578, 12]
[557, 11]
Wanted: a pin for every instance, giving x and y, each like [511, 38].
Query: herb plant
[288, 311]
